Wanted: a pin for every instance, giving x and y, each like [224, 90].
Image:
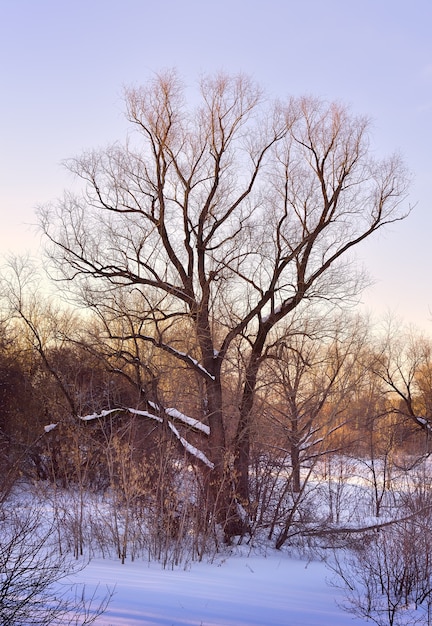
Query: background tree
[222, 220]
[404, 364]
[313, 372]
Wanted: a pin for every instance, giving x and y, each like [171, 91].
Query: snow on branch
[190, 448]
[188, 359]
[182, 356]
[424, 423]
[170, 412]
[189, 421]
[105, 413]
[181, 417]
[94, 416]
[279, 311]
[145, 414]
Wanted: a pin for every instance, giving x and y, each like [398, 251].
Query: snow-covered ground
[272, 590]
[240, 587]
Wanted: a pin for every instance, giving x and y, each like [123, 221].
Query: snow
[190, 421]
[49, 427]
[183, 356]
[424, 422]
[240, 586]
[274, 311]
[172, 412]
[93, 416]
[145, 414]
[272, 590]
[190, 448]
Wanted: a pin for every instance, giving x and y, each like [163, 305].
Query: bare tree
[313, 373]
[222, 220]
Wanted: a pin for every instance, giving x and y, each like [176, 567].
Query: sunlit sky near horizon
[64, 64]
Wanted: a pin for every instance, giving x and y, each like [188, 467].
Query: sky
[65, 64]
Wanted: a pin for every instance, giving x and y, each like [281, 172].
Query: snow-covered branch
[170, 412]
[182, 356]
[424, 423]
[190, 448]
[145, 414]
[49, 427]
[94, 416]
[175, 414]
[189, 421]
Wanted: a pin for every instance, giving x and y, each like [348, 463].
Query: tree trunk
[221, 487]
[242, 438]
[295, 463]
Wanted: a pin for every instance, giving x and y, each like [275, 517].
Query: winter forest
[188, 372]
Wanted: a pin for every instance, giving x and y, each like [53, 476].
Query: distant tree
[217, 223]
[312, 373]
[403, 363]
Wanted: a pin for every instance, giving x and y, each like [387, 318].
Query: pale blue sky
[64, 64]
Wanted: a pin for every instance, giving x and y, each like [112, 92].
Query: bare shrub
[33, 585]
[387, 576]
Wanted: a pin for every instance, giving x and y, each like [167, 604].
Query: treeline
[84, 409]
